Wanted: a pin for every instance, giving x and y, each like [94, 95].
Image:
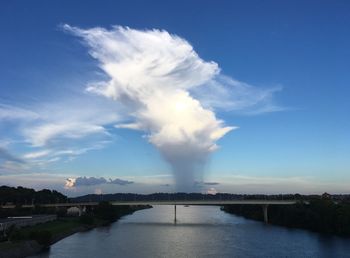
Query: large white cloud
[151, 73]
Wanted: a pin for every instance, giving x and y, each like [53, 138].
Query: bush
[106, 211]
[61, 212]
[15, 234]
[43, 237]
[86, 219]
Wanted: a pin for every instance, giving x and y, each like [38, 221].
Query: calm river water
[201, 231]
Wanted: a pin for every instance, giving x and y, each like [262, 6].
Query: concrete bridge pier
[82, 210]
[266, 218]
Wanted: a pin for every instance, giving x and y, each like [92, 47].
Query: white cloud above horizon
[156, 76]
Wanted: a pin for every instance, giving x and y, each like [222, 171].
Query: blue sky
[295, 53]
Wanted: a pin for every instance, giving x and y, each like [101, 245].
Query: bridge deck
[171, 202]
[206, 202]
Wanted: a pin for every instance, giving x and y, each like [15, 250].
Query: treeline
[180, 196]
[153, 197]
[21, 196]
[197, 196]
[324, 216]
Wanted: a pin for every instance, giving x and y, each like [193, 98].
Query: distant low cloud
[197, 183]
[211, 183]
[80, 181]
[90, 181]
[118, 181]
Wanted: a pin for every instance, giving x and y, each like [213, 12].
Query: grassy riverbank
[33, 239]
[30, 240]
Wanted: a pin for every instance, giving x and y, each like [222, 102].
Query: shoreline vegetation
[319, 215]
[32, 240]
[328, 214]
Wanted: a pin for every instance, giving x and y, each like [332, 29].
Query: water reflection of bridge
[82, 205]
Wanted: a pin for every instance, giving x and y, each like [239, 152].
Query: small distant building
[74, 211]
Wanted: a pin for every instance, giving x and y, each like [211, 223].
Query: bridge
[82, 205]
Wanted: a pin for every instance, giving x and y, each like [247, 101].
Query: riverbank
[21, 245]
[34, 239]
[322, 216]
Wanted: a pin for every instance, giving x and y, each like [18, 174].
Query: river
[200, 231]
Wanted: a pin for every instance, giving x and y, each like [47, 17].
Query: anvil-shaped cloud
[156, 76]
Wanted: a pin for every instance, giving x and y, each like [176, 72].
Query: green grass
[8, 245]
[57, 227]
[60, 226]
